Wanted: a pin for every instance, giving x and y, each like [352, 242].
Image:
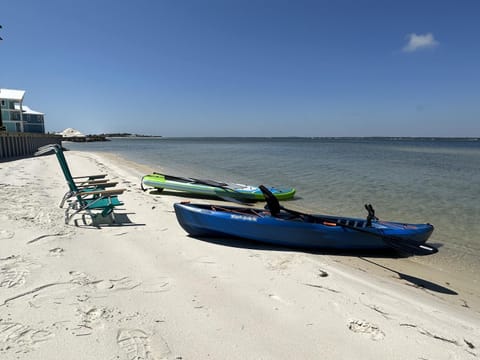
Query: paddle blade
[411, 248]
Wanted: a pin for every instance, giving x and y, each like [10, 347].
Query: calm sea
[411, 180]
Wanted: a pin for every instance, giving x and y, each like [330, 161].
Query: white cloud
[418, 42]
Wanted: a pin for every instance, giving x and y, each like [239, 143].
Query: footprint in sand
[56, 251]
[13, 272]
[279, 263]
[156, 285]
[82, 279]
[138, 345]
[6, 234]
[20, 337]
[92, 318]
[364, 327]
[124, 283]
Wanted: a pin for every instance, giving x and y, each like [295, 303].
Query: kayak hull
[195, 187]
[256, 224]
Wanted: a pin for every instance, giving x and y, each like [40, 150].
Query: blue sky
[247, 68]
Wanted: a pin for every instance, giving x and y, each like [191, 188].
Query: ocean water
[410, 180]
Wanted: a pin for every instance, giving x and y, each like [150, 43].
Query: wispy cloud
[419, 42]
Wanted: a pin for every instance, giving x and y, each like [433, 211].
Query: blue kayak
[293, 229]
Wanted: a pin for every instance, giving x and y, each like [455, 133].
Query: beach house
[16, 117]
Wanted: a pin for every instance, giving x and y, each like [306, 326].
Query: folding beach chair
[85, 183]
[88, 195]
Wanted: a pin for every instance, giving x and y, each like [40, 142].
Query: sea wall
[14, 145]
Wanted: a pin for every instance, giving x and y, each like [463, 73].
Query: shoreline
[443, 280]
[145, 289]
[339, 183]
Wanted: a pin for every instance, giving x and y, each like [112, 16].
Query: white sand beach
[143, 289]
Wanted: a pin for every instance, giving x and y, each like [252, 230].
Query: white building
[17, 117]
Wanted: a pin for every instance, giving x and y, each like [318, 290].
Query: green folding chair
[89, 195]
[85, 183]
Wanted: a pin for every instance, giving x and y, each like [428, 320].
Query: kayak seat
[272, 202]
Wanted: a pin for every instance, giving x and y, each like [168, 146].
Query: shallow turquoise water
[411, 180]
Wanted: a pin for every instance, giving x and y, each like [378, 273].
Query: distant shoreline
[108, 137]
[126, 135]
[388, 138]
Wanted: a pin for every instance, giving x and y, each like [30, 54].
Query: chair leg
[74, 206]
[107, 213]
[67, 216]
[65, 197]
